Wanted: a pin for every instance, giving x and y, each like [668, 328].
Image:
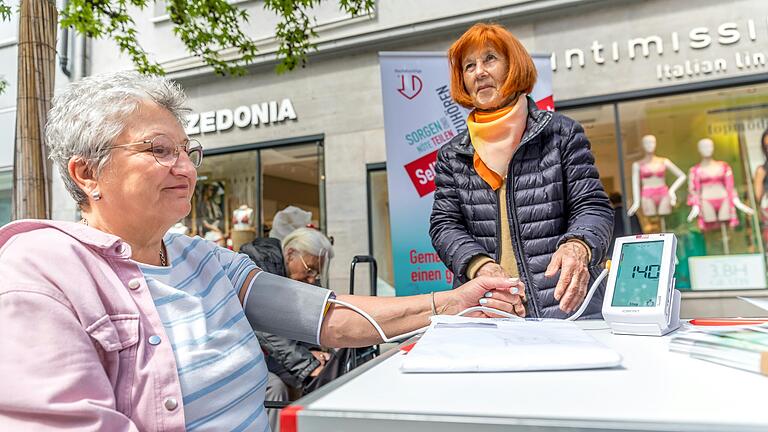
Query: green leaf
[295, 30]
[5, 11]
[207, 28]
[105, 18]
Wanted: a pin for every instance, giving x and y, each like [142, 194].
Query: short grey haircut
[309, 241]
[90, 114]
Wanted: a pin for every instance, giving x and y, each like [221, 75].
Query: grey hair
[90, 114]
[309, 241]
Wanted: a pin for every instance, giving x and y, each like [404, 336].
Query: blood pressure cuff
[286, 307]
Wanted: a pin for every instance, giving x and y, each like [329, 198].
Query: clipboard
[459, 344]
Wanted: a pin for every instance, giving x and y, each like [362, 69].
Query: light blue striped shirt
[220, 363]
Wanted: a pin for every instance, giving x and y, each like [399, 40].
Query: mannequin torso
[713, 191]
[649, 185]
[242, 218]
[654, 192]
[652, 171]
[712, 175]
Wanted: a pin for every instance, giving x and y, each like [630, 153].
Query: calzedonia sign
[245, 116]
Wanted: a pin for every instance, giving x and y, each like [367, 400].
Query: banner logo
[422, 173]
[410, 88]
[548, 103]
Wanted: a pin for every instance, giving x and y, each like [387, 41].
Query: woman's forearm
[343, 327]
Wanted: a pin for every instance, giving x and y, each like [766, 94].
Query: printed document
[759, 302]
[459, 344]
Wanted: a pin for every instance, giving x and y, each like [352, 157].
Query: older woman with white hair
[307, 253]
[304, 255]
[113, 324]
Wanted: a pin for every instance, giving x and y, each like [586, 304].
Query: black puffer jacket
[292, 361]
[553, 194]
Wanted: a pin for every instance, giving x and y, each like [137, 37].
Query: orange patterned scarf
[495, 135]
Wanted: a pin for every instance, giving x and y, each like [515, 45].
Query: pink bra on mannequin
[699, 179]
[653, 193]
[647, 171]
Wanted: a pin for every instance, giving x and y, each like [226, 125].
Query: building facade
[314, 138]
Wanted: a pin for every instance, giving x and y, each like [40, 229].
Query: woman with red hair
[518, 194]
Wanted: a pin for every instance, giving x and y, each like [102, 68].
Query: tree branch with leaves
[211, 30]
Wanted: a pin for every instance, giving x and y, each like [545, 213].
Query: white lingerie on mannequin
[242, 218]
[179, 228]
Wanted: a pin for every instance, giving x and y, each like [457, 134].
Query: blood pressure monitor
[640, 297]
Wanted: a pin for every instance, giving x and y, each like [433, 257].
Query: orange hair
[522, 72]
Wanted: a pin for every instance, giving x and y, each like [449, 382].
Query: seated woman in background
[112, 324]
[302, 255]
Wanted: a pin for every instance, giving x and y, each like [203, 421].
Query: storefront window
[239, 192]
[379, 229]
[6, 193]
[708, 144]
[600, 129]
[225, 182]
[290, 177]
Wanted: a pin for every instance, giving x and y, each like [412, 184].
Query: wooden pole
[38, 22]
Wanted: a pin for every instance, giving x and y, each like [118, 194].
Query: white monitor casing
[656, 320]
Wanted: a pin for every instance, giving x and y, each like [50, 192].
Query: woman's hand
[321, 356]
[495, 292]
[571, 259]
[316, 371]
[491, 269]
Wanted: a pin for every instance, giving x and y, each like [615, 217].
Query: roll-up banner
[419, 117]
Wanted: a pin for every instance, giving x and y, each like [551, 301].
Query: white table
[653, 390]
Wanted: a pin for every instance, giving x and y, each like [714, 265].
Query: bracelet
[434, 308]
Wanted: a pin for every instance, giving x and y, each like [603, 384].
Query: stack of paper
[458, 344]
[742, 347]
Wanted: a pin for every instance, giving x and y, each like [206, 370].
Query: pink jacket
[75, 322]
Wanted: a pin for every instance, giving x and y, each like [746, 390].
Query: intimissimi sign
[245, 116]
[753, 32]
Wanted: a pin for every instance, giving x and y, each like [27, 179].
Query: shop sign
[727, 272]
[245, 116]
[695, 39]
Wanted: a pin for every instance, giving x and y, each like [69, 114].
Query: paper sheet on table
[759, 302]
[458, 344]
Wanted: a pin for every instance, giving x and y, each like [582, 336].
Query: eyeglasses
[310, 271]
[166, 152]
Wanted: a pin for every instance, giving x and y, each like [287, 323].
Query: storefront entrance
[239, 189]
